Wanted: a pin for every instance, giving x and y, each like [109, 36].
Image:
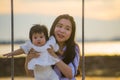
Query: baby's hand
[51, 51]
[8, 55]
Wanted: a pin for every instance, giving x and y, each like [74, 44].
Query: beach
[101, 61]
[78, 78]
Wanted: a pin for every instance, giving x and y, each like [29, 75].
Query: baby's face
[38, 39]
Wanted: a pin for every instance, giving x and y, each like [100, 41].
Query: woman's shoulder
[77, 49]
[77, 46]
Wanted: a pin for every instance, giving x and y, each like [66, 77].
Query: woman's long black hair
[70, 53]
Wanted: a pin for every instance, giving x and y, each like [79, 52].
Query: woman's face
[63, 30]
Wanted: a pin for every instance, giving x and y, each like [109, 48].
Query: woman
[63, 29]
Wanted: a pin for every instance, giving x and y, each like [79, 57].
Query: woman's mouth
[60, 36]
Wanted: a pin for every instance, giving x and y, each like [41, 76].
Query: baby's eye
[35, 37]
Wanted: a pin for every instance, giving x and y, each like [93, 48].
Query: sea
[101, 48]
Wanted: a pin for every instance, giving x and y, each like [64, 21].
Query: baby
[40, 42]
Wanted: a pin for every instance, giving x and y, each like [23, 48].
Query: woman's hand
[32, 54]
[51, 51]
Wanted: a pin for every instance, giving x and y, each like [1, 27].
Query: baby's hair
[37, 28]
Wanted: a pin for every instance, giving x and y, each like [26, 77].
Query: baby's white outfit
[42, 65]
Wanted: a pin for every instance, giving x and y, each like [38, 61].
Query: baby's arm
[16, 52]
[52, 42]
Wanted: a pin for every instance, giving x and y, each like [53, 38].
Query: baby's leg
[53, 75]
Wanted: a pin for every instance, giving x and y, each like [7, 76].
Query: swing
[83, 57]
[12, 42]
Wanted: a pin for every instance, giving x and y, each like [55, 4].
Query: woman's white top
[45, 59]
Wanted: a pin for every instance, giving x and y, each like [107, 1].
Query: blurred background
[102, 35]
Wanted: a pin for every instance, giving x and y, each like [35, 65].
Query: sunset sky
[105, 9]
[102, 17]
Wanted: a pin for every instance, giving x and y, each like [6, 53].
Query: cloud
[103, 9]
[97, 9]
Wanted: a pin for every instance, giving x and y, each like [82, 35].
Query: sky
[102, 17]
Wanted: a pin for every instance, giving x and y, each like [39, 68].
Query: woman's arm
[32, 54]
[28, 72]
[64, 68]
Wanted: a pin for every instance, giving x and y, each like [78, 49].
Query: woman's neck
[61, 46]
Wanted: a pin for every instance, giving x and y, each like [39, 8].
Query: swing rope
[12, 41]
[83, 57]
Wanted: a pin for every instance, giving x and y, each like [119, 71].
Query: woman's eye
[67, 29]
[41, 37]
[59, 25]
[35, 37]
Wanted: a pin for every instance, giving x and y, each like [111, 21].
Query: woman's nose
[62, 30]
